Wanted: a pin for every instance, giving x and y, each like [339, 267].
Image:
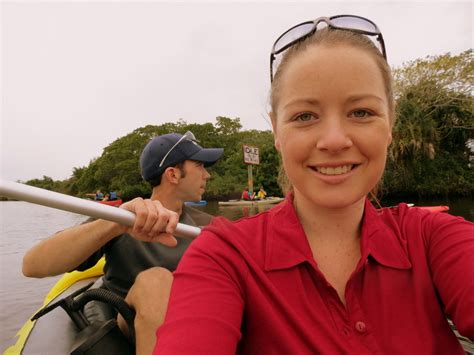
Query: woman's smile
[334, 173]
[334, 168]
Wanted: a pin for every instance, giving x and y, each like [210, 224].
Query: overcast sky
[78, 75]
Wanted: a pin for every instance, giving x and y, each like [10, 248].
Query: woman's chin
[331, 200]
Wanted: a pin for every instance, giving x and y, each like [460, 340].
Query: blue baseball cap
[171, 149]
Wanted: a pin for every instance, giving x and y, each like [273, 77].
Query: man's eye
[305, 117]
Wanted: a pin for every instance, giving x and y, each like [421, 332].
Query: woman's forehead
[321, 68]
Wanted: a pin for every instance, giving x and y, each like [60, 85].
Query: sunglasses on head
[303, 30]
[187, 136]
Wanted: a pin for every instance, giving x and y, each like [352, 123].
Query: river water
[23, 224]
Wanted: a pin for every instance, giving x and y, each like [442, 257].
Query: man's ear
[275, 131]
[172, 175]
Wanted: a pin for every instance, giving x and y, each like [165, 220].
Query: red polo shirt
[253, 287]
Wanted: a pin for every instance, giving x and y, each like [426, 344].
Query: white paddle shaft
[77, 205]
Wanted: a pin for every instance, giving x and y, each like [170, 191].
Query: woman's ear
[275, 131]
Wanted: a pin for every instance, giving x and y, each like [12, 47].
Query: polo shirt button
[360, 327]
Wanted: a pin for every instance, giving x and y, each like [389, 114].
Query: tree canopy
[118, 167]
[430, 154]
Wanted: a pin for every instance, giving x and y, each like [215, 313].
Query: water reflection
[233, 212]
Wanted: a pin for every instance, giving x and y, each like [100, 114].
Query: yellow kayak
[41, 336]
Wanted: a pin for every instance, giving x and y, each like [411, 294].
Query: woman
[262, 194]
[324, 271]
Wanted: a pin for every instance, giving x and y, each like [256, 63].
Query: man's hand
[153, 223]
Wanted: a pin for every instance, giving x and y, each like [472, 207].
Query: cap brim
[208, 155]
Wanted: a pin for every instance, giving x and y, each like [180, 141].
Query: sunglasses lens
[190, 135]
[354, 23]
[292, 35]
[187, 136]
[345, 22]
[364, 26]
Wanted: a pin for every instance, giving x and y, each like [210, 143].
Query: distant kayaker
[98, 196]
[246, 195]
[175, 166]
[325, 272]
[261, 194]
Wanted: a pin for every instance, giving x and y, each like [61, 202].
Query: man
[174, 165]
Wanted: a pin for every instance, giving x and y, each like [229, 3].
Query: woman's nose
[333, 136]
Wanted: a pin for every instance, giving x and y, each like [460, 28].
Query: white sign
[251, 155]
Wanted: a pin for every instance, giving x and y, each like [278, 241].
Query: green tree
[429, 153]
[46, 183]
[118, 166]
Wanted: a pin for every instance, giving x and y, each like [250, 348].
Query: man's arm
[66, 250]
[149, 297]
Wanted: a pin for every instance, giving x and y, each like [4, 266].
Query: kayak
[266, 201]
[114, 203]
[198, 203]
[434, 209]
[54, 333]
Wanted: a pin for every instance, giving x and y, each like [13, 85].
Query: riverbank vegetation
[432, 153]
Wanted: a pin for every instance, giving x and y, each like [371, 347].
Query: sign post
[251, 157]
[250, 178]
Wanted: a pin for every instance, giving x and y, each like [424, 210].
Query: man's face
[191, 187]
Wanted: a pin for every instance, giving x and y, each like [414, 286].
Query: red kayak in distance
[434, 209]
[114, 203]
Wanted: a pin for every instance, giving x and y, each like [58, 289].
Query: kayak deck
[41, 336]
[267, 201]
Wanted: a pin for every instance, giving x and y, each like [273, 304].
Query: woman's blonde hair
[331, 38]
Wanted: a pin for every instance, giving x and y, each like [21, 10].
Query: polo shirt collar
[287, 245]
[380, 238]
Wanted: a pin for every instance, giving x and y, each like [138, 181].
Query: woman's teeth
[338, 170]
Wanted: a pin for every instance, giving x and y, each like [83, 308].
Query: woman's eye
[361, 113]
[305, 117]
